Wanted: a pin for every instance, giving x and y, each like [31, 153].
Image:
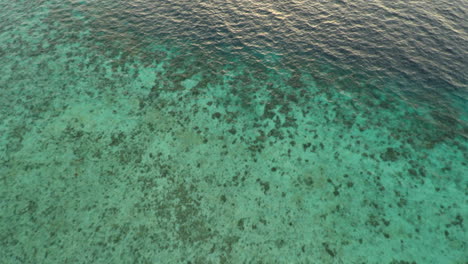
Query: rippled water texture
[233, 131]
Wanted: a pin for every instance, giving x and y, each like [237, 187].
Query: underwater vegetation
[117, 145]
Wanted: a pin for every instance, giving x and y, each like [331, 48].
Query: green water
[121, 148]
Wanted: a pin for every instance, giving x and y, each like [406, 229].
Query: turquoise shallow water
[233, 132]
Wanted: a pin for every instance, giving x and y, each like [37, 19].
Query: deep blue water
[421, 45]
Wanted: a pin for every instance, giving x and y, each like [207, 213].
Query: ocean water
[214, 131]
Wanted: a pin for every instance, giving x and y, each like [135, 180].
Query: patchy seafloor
[121, 153]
